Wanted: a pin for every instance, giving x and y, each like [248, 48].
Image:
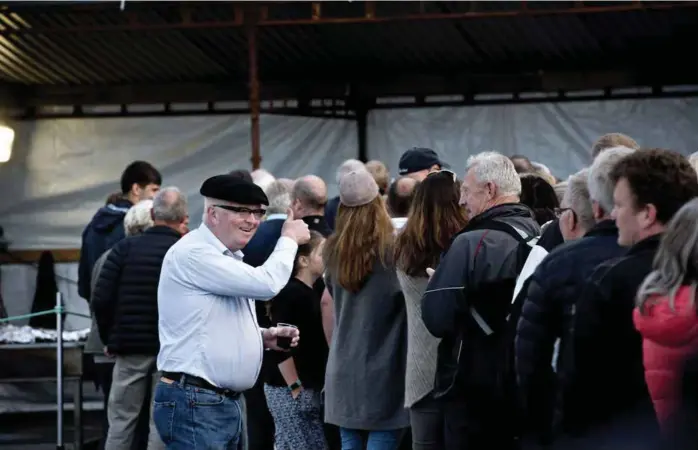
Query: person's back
[139, 181]
[129, 281]
[104, 230]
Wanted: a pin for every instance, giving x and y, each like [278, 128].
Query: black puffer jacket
[547, 314]
[126, 295]
[606, 399]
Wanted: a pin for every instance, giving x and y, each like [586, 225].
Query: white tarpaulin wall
[558, 135]
[62, 170]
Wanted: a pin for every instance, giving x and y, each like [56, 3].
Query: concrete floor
[37, 431]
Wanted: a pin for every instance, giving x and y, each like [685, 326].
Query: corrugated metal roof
[98, 44]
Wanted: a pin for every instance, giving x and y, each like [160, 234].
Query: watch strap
[295, 385]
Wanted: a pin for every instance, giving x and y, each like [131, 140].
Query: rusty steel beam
[310, 88]
[254, 95]
[316, 18]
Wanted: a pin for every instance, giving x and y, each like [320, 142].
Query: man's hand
[269, 336]
[295, 229]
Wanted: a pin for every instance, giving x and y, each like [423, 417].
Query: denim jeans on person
[189, 417]
[377, 440]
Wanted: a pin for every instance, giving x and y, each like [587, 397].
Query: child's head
[309, 256]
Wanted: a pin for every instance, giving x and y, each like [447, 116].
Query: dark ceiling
[84, 52]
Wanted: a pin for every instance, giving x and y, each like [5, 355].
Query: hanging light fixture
[7, 138]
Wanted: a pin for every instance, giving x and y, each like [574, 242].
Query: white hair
[279, 196]
[262, 178]
[170, 205]
[693, 160]
[493, 167]
[138, 218]
[600, 184]
[541, 167]
[577, 197]
[350, 165]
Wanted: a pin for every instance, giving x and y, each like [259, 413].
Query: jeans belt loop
[182, 380]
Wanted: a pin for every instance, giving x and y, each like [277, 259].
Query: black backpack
[481, 359]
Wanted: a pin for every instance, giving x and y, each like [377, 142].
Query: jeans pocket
[163, 418]
[205, 397]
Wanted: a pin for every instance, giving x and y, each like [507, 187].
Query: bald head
[309, 196]
[400, 196]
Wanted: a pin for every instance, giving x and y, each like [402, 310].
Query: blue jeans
[189, 417]
[377, 440]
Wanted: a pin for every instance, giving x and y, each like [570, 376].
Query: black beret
[233, 189]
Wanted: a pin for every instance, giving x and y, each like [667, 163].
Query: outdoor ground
[37, 431]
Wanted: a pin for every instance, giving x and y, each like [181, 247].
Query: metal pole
[59, 371]
[254, 95]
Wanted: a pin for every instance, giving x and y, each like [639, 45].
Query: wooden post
[254, 95]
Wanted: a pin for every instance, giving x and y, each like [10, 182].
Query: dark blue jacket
[547, 313]
[104, 230]
[331, 209]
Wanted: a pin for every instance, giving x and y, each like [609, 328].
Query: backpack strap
[521, 237]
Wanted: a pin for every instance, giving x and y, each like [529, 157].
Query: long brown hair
[363, 235]
[434, 218]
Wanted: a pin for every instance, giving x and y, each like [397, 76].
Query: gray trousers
[132, 374]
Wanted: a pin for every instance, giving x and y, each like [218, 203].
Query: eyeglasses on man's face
[560, 211]
[257, 213]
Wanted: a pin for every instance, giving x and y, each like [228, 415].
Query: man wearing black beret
[210, 344]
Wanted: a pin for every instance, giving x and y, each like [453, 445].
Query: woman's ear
[303, 261]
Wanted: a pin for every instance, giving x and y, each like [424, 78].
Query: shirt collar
[276, 216]
[211, 238]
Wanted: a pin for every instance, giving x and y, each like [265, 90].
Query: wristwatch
[296, 385]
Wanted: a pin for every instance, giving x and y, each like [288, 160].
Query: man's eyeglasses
[257, 213]
[446, 171]
[560, 211]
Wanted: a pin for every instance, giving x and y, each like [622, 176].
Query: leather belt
[200, 383]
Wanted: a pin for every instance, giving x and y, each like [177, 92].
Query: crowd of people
[506, 309]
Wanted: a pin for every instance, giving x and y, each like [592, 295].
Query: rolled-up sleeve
[228, 276]
[444, 295]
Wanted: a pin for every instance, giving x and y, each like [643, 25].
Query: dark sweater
[299, 305]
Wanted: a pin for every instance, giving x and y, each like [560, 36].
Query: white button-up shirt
[207, 322]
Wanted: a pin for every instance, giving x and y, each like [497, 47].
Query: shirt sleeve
[223, 275]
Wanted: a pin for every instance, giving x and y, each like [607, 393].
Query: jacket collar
[162, 229]
[604, 228]
[501, 211]
[646, 245]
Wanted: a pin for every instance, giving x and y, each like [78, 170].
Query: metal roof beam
[422, 85]
[131, 21]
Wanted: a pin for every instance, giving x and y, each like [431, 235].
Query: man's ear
[491, 190]
[597, 210]
[648, 216]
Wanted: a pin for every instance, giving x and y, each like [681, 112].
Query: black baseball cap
[417, 158]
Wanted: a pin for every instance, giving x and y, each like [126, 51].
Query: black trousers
[260, 423]
[476, 426]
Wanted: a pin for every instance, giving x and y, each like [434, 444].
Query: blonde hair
[676, 261]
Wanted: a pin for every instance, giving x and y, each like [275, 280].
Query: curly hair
[363, 236]
[658, 177]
